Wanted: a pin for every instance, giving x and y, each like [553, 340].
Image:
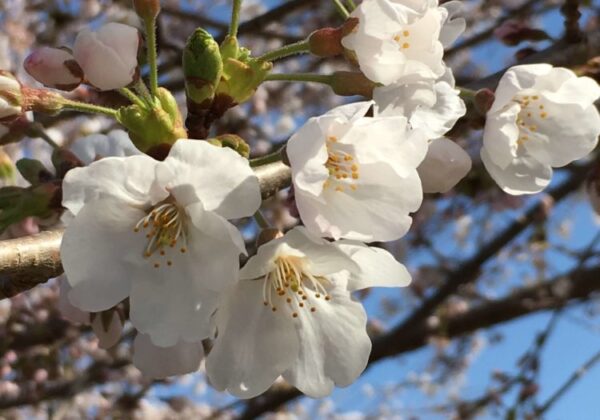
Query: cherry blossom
[402, 40]
[108, 57]
[542, 118]
[157, 232]
[292, 314]
[355, 177]
[445, 164]
[54, 67]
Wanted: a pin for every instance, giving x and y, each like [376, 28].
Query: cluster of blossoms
[160, 234]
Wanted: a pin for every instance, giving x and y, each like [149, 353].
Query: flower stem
[235, 18]
[351, 4]
[142, 90]
[89, 108]
[299, 47]
[301, 77]
[341, 9]
[150, 28]
[132, 97]
[467, 94]
[37, 130]
[261, 221]
[266, 159]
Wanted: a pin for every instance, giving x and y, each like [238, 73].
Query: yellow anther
[406, 33]
[406, 45]
[339, 189]
[543, 115]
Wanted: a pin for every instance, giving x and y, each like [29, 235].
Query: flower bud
[484, 99]
[233, 142]
[445, 164]
[147, 9]
[202, 67]
[327, 42]
[11, 99]
[347, 83]
[150, 127]
[54, 68]
[108, 57]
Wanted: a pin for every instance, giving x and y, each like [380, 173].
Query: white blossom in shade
[96, 146]
[107, 326]
[445, 164]
[292, 314]
[402, 40]
[108, 57]
[432, 106]
[54, 67]
[160, 362]
[356, 177]
[10, 96]
[157, 232]
[542, 118]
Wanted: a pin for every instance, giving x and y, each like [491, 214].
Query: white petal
[127, 179]
[334, 345]
[524, 175]
[501, 134]
[220, 177]
[515, 80]
[378, 268]
[254, 345]
[444, 166]
[99, 251]
[161, 362]
[440, 119]
[351, 112]
[67, 310]
[453, 27]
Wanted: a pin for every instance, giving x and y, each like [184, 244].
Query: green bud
[202, 67]
[149, 127]
[232, 141]
[241, 76]
[33, 171]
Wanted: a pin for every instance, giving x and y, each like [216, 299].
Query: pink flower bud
[147, 9]
[54, 68]
[108, 57]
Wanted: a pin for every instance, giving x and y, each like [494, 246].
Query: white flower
[542, 118]
[291, 314]
[445, 164]
[93, 147]
[54, 67]
[160, 362]
[432, 106]
[157, 232]
[355, 177]
[10, 96]
[108, 57]
[402, 40]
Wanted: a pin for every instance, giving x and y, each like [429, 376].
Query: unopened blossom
[432, 106]
[108, 57]
[542, 118]
[54, 67]
[161, 362]
[10, 96]
[445, 164]
[157, 232]
[355, 177]
[292, 314]
[402, 40]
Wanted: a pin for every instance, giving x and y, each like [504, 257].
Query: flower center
[342, 167]
[290, 283]
[403, 39]
[533, 112]
[165, 229]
